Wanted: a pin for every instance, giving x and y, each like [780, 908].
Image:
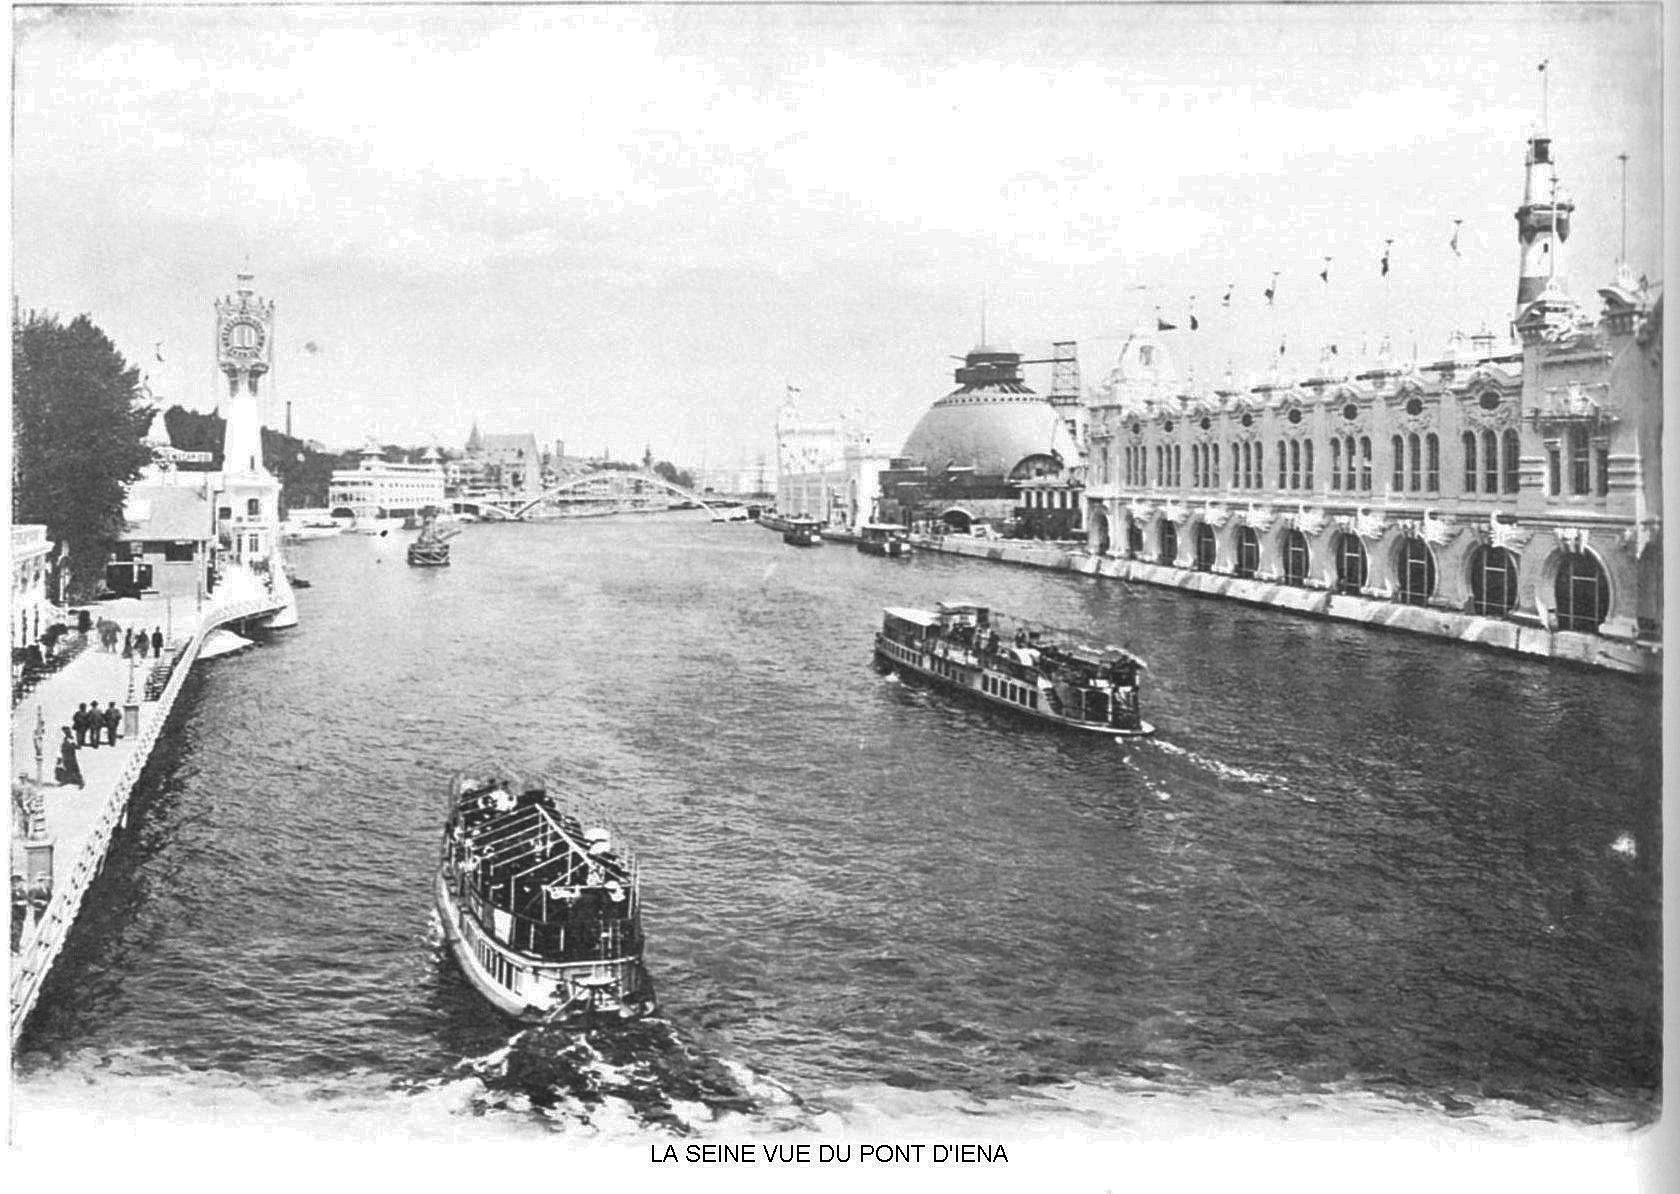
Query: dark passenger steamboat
[1043, 674]
[540, 901]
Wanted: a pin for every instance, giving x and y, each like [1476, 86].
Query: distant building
[1520, 482]
[968, 458]
[31, 605]
[511, 465]
[827, 468]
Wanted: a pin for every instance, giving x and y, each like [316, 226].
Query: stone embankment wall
[1494, 633]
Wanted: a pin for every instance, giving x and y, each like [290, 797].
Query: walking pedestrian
[40, 895]
[141, 642]
[157, 641]
[113, 722]
[20, 909]
[95, 723]
[128, 641]
[79, 719]
[69, 771]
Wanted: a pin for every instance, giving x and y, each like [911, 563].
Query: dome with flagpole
[992, 423]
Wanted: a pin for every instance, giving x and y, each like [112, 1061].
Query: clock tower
[248, 504]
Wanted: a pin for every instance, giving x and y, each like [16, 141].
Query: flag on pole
[158, 352]
[1226, 301]
[1271, 288]
[1162, 325]
[1283, 345]
[311, 347]
[1454, 241]
[1324, 274]
[1386, 243]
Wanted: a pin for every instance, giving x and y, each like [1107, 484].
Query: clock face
[243, 338]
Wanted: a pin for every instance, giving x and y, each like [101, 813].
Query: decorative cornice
[1308, 522]
[1572, 539]
[1432, 529]
[1141, 511]
[1215, 514]
[1257, 517]
[1174, 511]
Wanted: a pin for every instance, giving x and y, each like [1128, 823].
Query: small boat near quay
[540, 901]
[301, 525]
[883, 539]
[1047, 675]
[431, 548]
[771, 520]
[802, 532]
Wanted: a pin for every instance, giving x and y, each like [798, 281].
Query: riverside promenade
[1497, 634]
[78, 823]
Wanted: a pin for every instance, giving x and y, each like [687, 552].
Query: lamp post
[131, 707]
[40, 740]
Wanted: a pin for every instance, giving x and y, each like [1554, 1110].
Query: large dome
[990, 423]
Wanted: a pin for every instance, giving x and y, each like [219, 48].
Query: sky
[635, 227]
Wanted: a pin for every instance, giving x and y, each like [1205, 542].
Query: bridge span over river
[595, 493]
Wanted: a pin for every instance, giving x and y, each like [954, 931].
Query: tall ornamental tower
[1542, 223]
[248, 504]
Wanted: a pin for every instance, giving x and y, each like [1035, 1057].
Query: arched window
[1169, 542]
[1580, 475]
[1248, 466]
[1195, 464]
[1398, 448]
[1350, 563]
[1213, 473]
[1432, 463]
[1308, 463]
[1365, 463]
[1207, 547]
[1335, 463]
[1416, 566]
[1510, 445]
[1259, 465]
[1294, 464]
[1178, 466]
[1134, 538]
[1493, 581]
[1583, 593]
[1248, 551]
[1490, 462]
[1469, 462]
[1283, 465]
[1296, 557]
[1414, 451]
[1236, 466]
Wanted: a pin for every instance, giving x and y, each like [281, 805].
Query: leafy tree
[77, 433]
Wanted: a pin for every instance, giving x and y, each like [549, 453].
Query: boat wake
[1260, 779]
[626, 1077]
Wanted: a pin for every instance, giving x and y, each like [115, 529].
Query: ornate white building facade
[826, 468]
[1518, 483]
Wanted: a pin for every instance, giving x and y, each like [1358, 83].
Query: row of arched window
[1581, 592]
[1490, 464]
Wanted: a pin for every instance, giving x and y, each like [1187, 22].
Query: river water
[1370, 871]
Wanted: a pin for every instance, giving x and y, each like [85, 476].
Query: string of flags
[1385, 266]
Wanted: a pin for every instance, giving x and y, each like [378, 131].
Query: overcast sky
[628, 227]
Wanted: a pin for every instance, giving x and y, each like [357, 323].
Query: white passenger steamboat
[1046, 675]
[540, 901]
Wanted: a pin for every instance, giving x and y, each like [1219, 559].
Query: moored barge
[882, 539]
[802, 532]
[1048, 676]
[540, 901]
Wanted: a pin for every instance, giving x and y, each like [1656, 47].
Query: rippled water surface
[1352, 862]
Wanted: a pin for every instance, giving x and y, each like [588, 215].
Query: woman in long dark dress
[69, 771]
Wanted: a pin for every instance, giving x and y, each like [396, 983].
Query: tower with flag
[1542, 220]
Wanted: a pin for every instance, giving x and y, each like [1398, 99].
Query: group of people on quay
[134, 642]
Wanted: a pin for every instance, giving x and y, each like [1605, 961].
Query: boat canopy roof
[949, 608]
[916, 617]
[880, 528]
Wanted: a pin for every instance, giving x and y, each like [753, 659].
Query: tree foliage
[78, 425]
[303, 472]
